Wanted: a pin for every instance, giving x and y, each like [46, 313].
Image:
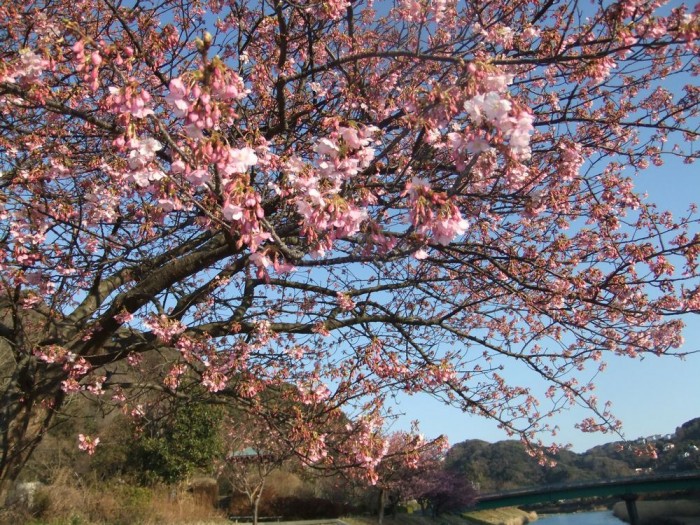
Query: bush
[301, 508]
[176, 446]
[70, 500]
[135, 504]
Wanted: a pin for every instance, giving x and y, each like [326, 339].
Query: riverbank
[402, 519]
[671, 512]
[502, 516]
[416, 519]
[407, 519]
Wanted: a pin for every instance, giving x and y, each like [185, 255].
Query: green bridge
[627, 489]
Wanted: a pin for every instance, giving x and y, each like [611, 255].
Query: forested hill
[505, 465]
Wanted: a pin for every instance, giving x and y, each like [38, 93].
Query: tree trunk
[381, 504]
[256, 506]
[30, 390]
[254, 496]
[394, 501]
[28, 402]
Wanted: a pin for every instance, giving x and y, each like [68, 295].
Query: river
[604, 517]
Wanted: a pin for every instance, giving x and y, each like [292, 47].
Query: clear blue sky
[651, 396]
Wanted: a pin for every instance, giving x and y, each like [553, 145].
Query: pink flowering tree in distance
[407, 468]
[336, 201]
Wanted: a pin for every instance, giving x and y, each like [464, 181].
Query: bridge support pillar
[631, 504]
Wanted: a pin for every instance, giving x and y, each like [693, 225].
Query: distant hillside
[505, 465]
[689, 431]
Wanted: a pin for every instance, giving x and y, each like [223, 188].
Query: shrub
[304, 508]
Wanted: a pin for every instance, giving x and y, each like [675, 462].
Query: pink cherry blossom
[87, 443]
[240, 160]
[214, 381]
[128, 100]
[31, 64]
[345, 302]
[327, 147]
[178, 97]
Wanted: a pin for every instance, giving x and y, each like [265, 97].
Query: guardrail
[247, 520]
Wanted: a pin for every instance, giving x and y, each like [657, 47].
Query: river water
[604, 517]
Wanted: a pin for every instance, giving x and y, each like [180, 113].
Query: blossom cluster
[87, 443]
[204, 108]
[316, 448]
[164, 328]
[129, 100]
[142, 169]
[76, 368]
[494, 110]
[433, 213]
[366, 446]
[28, 68]
[316, 191]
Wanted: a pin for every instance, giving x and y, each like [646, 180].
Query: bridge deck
[617, 487]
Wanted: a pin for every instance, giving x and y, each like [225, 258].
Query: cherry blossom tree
[445, 490]
[407, 469]
[338, 201]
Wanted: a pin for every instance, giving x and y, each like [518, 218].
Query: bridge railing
[640, 479]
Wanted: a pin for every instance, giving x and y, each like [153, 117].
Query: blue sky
[651, 396]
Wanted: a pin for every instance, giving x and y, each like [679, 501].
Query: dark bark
[25, 418]
[30, 391]
[381, 503]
